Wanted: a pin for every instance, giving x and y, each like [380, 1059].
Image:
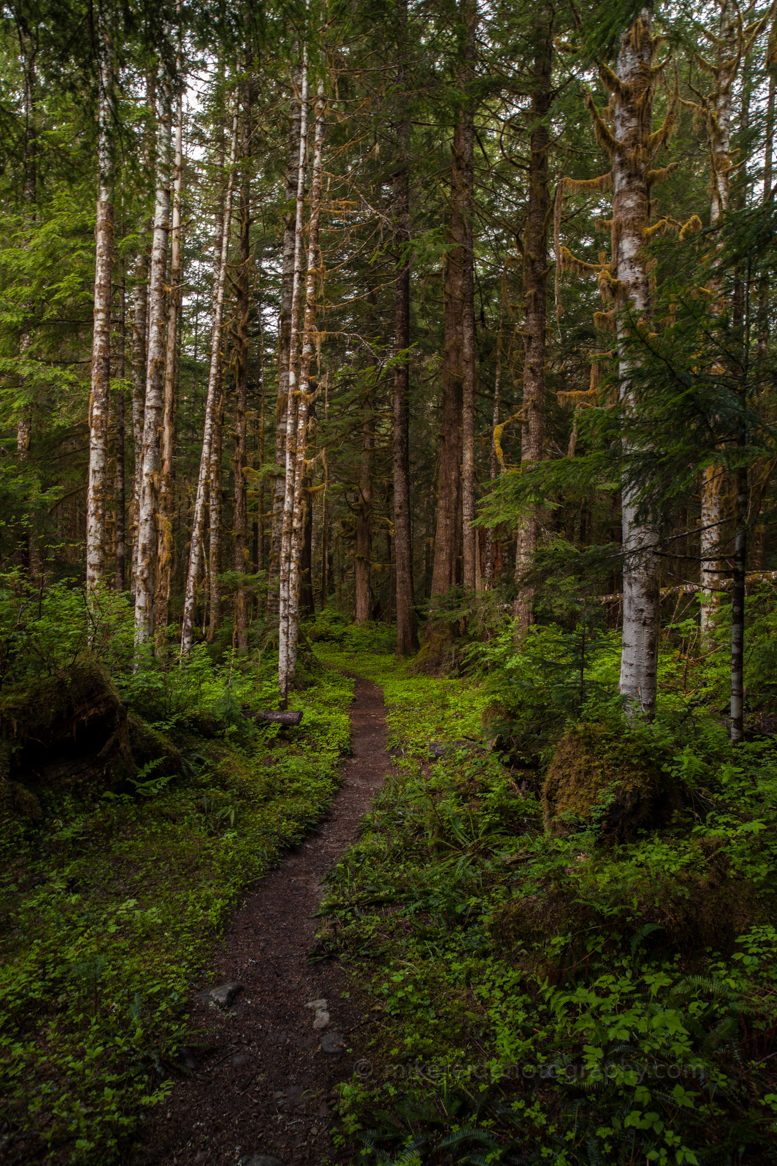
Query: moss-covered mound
[70, 727]
[608, 780]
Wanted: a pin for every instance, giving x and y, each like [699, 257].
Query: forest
[388, 607]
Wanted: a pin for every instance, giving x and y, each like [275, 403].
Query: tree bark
[463, 190]
[407, 634]
[215, 517]
[493, 463]
[535, 309]
[362, 565]
[719, 132]
[295, 470]
[165, 509]
[632, 127]
[242, 288]
[297, 160]
[155, 371]
[139, 345]
[97, 488]
[211, 406]
[120, 440]
[455, 480]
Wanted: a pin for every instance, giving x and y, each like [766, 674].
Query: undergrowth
[557, 996]
[110, 902]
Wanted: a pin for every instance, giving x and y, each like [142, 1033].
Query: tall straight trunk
[738, 605]
[719, 133]
[455, 477]
[155, 371]
[165, 508]
[632, 126]
[535, 309]
[295, 458]
[463, 192]
[97, 488]
[26, 540]
[362, 566]
[286, 655]
[120, 488]
[307, 604]
[763, 283]
[242, 287]
[211, 404]
[295, 174]
[493, 463]
[139, 341]
[407, 634]
[215, 517]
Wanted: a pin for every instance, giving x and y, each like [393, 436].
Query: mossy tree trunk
[535, 300]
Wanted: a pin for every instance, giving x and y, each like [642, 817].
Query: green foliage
[546, 998]
[111, 906]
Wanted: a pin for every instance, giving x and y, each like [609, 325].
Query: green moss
[146, 745]
[607, 780]
[18, 802]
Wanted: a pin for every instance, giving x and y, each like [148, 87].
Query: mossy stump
[600, 778]
[71, 727]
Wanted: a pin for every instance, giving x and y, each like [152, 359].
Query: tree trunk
[463, 193]
[286, 653]
[211, 406]
[763, 283]
[493, 463]
[535, 301]
[719, 132]
[632, 126]
[242, 287]
[165, 513]
[101, 344]
[139, 345]
[120, 438]
[296, 470]
[155, 372]
[362, 565]
[407, 635]
[215, 517]
[295, 174]
[456, 465]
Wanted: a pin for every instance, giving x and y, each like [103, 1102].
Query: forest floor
[264, 1070]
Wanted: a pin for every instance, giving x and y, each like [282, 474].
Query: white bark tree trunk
[101, 343]
[719, 132]
[285, 653]
[305, 393]
[165, 511]
[284, 344]
[211, 404]
[155, 372]
[632, 125]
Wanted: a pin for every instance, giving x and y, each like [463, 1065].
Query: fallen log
[287, 717]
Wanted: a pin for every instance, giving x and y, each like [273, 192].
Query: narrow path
[262, 1085]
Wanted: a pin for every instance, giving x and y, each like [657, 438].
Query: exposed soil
[257, 1080]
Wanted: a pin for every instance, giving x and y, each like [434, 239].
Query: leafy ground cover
[556, 994]
[110, 902]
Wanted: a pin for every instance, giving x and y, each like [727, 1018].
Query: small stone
[260, 1160]
[316, 1004]
[322, 1018]
[333, 1043]
[225, 994]
[439, 749]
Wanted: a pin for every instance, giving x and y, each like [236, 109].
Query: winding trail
[260, 1075]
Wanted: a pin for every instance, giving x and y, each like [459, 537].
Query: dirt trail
[263, 1084]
